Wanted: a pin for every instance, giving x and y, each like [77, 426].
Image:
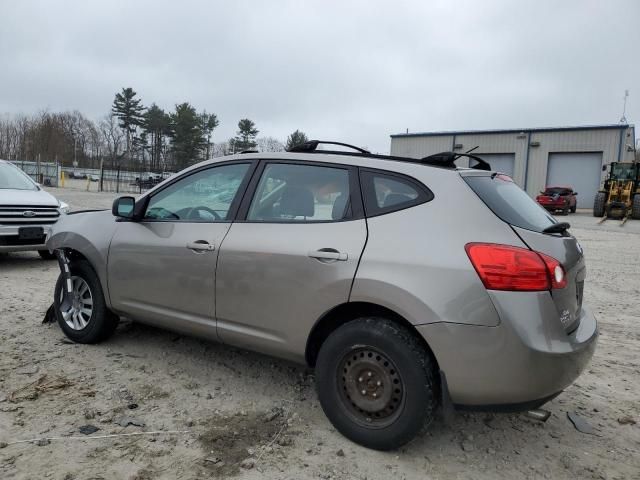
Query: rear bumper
[553, 206]
[525, 361]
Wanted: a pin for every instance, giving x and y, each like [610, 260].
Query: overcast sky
[350, 71]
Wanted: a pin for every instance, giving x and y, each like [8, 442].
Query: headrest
[297, 202]
[395, 199]
[340, 207]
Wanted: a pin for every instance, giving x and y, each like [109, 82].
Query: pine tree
[245, 136]
[129, 111]
[208, 122]
[157, 125]
[187, 135]
[296, 138]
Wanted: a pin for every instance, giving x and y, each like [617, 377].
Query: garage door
[580, 170]
[500, 162]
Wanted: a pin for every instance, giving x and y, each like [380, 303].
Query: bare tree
[112, 137]
[269, 144]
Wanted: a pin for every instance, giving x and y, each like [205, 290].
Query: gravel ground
[244, 415]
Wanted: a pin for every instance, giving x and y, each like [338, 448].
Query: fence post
[101, 172]
[118, 180]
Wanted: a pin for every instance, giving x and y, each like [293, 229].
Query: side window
[384, 193]
[205, 196]
[301, 193]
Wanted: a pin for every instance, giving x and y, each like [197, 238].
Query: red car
[561, 198]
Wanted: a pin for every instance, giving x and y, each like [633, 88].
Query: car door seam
[366, 225]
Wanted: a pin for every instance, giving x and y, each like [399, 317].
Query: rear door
[290, 257]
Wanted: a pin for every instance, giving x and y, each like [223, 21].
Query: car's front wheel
[87, 319]
[376, 383]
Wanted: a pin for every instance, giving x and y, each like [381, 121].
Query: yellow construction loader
[619, 196]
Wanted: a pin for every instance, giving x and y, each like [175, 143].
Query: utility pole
[75, 154]
[623, 119]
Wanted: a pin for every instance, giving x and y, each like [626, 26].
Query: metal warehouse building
[534, 157]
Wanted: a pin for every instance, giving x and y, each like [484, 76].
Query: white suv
[26, 212]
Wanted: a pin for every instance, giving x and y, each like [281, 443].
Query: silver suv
[407, 284]
[26, 212]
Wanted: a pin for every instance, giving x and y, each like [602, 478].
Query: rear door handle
[200, 246]
[329, 254]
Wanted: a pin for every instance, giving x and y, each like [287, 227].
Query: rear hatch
[540, 232]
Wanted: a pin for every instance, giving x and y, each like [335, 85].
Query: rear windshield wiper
[560, 227]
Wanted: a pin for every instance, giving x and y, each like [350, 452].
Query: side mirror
[541, 192]
[604, 168]
[123, 207]
[575, 193]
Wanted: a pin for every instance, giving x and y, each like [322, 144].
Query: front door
[161, 270]
[290, 257]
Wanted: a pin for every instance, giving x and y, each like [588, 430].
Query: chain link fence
[119, 180]
[106, 180]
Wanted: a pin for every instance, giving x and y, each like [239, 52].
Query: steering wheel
[190, 214]
[161, 213]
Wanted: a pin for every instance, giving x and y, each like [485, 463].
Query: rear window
[557, 191]
[509, 202]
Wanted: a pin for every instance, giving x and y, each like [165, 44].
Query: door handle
[328, 254]
[200, 246]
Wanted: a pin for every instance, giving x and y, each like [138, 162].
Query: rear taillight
[503, 267]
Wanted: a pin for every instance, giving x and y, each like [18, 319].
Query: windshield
[509, 202]
[14, 178]
[624, 171]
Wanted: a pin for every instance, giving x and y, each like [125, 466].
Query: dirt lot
[243, 415]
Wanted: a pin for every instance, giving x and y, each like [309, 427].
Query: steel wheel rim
[370, 387]
[78, 316]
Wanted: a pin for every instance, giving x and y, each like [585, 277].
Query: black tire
[565, 211]
[599, 204]
[635, 207]
[102, 322]
[46, 255]
[407, 391]
[573, 209]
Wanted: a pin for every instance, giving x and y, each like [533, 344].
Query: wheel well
[76, 255]
[346, 312]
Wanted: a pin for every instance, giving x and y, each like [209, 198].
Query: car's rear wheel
[573, 209]
[46, 255]
[376, 383]
[87, 319]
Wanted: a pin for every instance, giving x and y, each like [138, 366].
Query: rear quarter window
[386, 192]
[509, 202]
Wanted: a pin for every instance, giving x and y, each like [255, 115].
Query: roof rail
[312, 146]
[249, 151]
[442, 160]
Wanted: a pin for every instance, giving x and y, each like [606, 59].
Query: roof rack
[442, 160]
[312, 146]
[249, 151]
